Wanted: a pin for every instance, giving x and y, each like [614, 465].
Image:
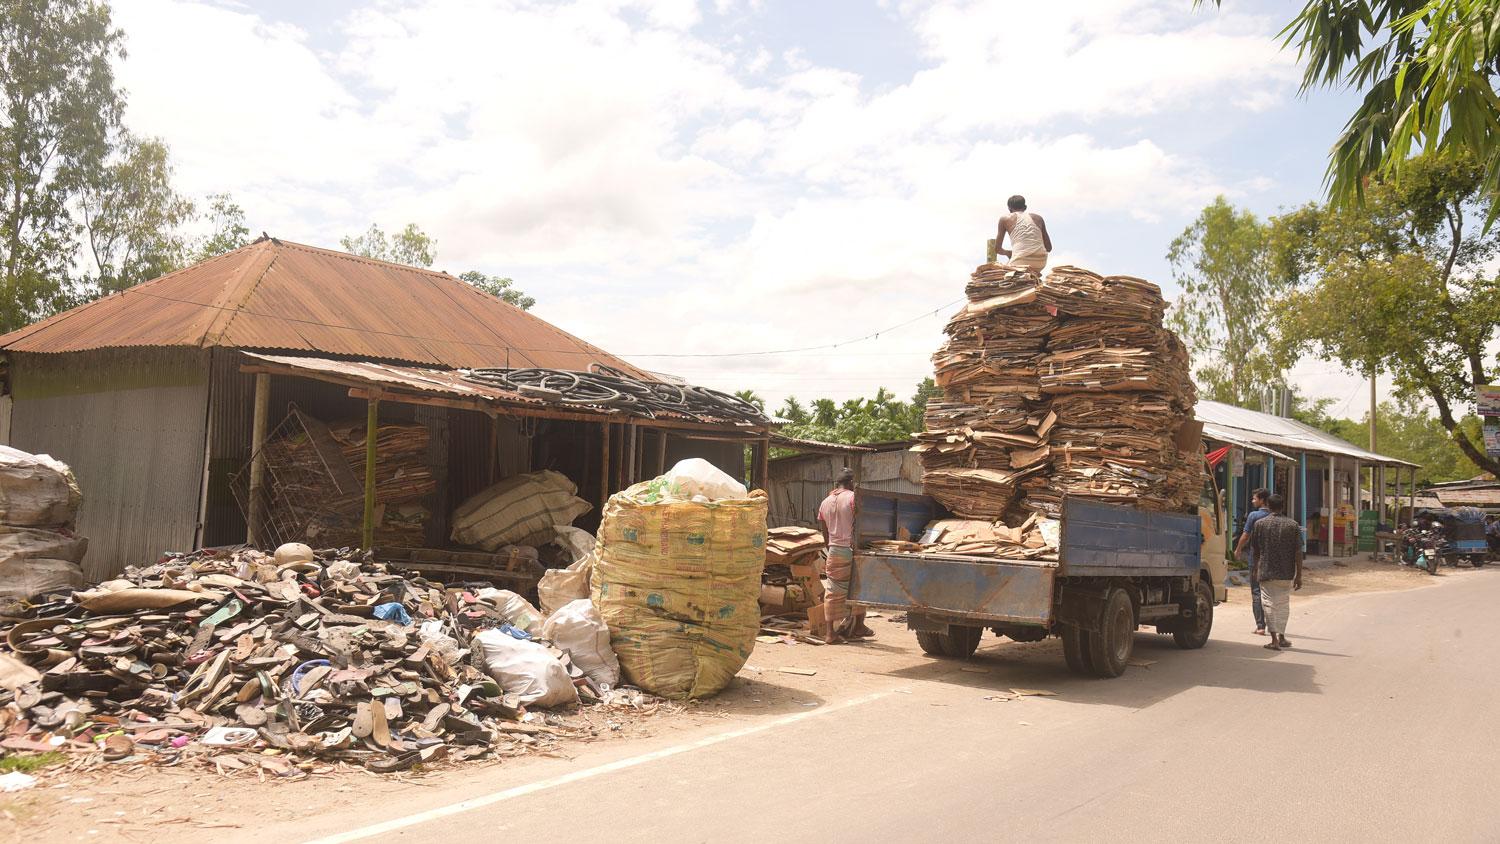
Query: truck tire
[959, 642]
[1109, 649]
[1076, 650]
[1192, 633]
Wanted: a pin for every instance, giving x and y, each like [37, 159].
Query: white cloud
[659, 191]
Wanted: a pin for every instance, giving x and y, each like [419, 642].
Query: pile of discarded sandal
[323, 658]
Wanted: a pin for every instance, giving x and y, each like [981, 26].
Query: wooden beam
[372, 429]
[603, 466]
[258, 428]
[661, 452]
[762, 450]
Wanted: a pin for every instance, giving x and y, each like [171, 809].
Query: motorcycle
[1422, 548]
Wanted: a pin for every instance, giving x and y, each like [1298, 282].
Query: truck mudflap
[977, 588]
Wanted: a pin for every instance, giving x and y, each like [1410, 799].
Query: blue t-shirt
[1250, 521]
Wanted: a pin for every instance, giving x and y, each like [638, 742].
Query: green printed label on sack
[697, 539]
[630, 535]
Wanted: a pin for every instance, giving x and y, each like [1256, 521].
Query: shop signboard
[1487, 397]
[1492, 437]
[1237, 462]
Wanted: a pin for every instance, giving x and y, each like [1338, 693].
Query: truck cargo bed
[982, 588]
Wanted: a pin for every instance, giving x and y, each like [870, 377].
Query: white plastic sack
[34, 561]
[562, 586]
[578, 629]
[514, 609]
[522, 510]
[696, 476]
[36, 490]
[525, 669]
[577, 541]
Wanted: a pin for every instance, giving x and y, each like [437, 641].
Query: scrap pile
[1063, 386]
[792, 580]
[318, 475]
[244, 664]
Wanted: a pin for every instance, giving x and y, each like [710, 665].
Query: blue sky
[700, 178]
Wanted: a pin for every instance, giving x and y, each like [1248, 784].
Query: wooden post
[1411, 490]
[603, 465]
[630, 442]
[763, 464]
[372, 430]
[1332, 501]
[661, 452]
[1302, 495]
[254, 535]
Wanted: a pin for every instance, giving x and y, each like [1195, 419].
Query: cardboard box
[817, 616]
[773, 596]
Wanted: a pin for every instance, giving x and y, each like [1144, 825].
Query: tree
[751, 397]
[881, 418]
[229, 232]
[793, 412]
[415, 248]
[410, 246]
[59, 109]
[500, 288]
[1427, 69]
[131, 217]
[1401, 285]
[1222, 261]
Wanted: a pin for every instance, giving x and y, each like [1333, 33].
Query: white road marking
[609, 767]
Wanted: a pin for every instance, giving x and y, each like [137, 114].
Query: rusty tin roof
[278, 295]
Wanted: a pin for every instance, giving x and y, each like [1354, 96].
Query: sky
[682, 182]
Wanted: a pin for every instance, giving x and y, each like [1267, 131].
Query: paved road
[1381, 725]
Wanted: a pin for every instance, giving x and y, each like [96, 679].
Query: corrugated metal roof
[278, 295]
[1233, 436]
[1282, 433]
[818, 446]
[441, 382]
[1473, 497]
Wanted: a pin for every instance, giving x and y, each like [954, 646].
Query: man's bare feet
[1260, 631]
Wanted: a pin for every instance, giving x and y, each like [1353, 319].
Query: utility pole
[1372, 411]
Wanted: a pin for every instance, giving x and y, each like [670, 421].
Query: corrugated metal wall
[799, 484]
[131, 424]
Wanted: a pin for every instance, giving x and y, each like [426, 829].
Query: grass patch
[30, 762]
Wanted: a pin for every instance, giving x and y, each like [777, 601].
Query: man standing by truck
[837, 515]
[1258, 498]
[1277, 544]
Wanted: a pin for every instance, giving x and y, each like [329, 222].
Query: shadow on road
[1039, 665]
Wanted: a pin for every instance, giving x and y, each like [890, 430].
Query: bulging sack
[523, 510]
[34, 561]
[36, 490]
[678, 584]
[578, 629]
[562, 586]
[525, 669]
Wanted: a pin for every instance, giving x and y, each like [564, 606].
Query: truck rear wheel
[1109, 649]
[1192, 633]
[959, 641]
[1076, 650]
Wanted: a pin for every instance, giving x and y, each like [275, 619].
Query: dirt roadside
[140, 803]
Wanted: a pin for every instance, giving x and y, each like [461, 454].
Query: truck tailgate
[980, 588]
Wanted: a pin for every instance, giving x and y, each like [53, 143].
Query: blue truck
[1118, 568]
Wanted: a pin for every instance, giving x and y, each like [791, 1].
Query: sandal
[1271, 646]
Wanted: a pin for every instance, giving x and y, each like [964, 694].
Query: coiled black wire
[605, 386]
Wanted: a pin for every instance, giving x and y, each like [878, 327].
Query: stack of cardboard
[1063, 386]
[793, 578]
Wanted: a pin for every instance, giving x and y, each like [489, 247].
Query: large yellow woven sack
[678, 583]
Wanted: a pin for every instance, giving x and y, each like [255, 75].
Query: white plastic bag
[514, 609]
[525, 669]
[696, 476]
[561, 586]
[578, 629]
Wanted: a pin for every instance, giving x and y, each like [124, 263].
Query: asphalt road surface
[1381, 725]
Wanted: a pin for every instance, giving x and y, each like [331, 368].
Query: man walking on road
[1277, 544]
[1258, 498]
[837, 515]
[1029, 241]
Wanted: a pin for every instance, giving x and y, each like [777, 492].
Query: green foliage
[132, 217]
[29, 762]
[1401, 285]
[59, 110]
[1427, 70]
[881, 418]
[500, 288]
[1401, 430]
[752, 397]
[410, 246]
[1223, 262]
[228, 230]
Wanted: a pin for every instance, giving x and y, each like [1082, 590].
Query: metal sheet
[274, 294]
[1280, 432]
[1111, 540]
[137, 451]
[966, 587]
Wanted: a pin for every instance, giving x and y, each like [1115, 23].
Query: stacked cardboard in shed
[1063, 386]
